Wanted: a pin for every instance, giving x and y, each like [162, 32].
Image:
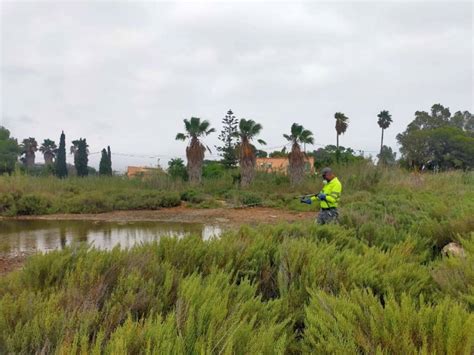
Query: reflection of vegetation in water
[31, 235]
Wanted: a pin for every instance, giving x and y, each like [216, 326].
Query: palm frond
[307, 137]
[255, 129]
[245, 125]
[187, 125]
[209, 131]
[194, 126]
[204, 126]
[261, 141]
[385, 119]
[181, 137]
[296, 129]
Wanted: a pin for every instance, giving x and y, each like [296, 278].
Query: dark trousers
[327, 216]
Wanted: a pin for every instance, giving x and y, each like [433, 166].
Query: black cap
[326, 170]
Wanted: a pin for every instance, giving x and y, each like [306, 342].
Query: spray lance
[307, 198]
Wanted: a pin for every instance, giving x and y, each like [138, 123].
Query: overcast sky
[127, 73]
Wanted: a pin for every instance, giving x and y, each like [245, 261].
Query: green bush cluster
[12, 204]
[73, 201]
[271, 289]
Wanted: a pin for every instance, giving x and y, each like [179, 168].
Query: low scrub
[271, 289]
[71, 200]
[358, 322]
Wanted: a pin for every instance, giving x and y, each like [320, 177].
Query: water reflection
[40, 235]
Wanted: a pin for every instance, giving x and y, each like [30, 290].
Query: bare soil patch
[10, 263]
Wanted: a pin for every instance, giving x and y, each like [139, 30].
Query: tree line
[54, 156]
[434, 140]
[238, 137]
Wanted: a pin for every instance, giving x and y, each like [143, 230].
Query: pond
[29, 236]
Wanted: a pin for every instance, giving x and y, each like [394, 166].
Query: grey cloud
[126, 74]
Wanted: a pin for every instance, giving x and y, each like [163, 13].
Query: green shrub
[192, 196]
[213, 170]
[32, 204]
[250, 198]
[88, 203]
[7, 202]
[157, 200]
[357, 322]
[455, 275]
[289, 288]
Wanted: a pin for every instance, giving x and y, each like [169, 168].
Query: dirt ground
[226, 217]
[11, 263]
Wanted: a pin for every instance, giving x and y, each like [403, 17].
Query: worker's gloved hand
[322, 197]
[306, 200]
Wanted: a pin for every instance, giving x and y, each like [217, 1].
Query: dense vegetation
[438, 140]
[366, 190]
[374, 283]
[9, 151]
[273, 289]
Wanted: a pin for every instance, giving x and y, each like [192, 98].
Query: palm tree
[342, 122]
[195, 128]
[74, 147]
[296, 157]
[385, 118]
[248, 130]
[28, 148]
[49, 149]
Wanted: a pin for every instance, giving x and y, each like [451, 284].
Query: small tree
[261, 153]
[9, 150]
[279, 153]
[384, 121]
[177, 169]
[228, 151]
[109, 161]
[81, 158]
[61, 166]
[387, 156]
[104, 163]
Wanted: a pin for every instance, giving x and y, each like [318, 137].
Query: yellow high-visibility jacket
[332, 190]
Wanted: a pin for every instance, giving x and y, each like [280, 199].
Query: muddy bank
[223, 216]
[11, 263]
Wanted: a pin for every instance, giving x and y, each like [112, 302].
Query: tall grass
[368, 192]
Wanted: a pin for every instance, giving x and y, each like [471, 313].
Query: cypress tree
[104, 163]
[109, 166]
[81, 159]
[60, 166]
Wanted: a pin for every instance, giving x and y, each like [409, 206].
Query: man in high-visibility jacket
[328, 197]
